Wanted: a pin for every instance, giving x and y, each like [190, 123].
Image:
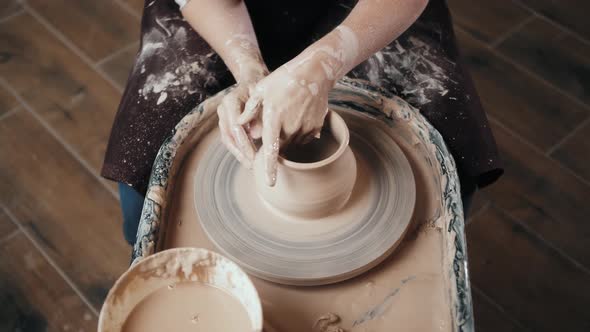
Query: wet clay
[188, 306]
[405, 292]
[317, 149]
[265, 232]
[309, 190]
[300, 229]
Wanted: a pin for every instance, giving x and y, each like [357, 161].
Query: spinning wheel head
[328, 243]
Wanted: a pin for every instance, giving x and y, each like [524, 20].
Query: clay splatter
[383, 306]
[328, 323]
[190, 74]
[411, 68]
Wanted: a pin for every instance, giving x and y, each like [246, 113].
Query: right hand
[291, 105]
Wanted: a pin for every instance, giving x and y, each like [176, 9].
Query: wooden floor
[62, 68]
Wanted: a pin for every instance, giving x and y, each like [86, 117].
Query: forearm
[377, 23]
[226, 26]
[371, 25]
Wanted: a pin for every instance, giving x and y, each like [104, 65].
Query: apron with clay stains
[175, 70]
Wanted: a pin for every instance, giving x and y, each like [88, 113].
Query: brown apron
[175, 70]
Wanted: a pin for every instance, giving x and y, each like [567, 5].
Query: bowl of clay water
[182, 289]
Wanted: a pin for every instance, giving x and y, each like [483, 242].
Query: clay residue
[193, 266]
[329, 322]
[382, 307]
[421, 305]
[410, 68]
[177, 72]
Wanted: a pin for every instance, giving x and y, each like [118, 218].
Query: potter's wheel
[309, 252]
[422, 286]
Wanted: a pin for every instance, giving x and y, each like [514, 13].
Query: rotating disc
[309, 252]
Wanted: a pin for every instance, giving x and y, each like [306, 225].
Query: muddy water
[189, 306]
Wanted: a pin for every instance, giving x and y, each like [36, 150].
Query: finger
[295, 139]
[253, 106]
[227, 139]
[318, 133]
[243, 141]
[222, 122]
[306, 133]
[236, 152]
[238, 133]
[298, 138]
[224, 131]
[271, 130]
[304, 137]
[309, 137]
[255, 129]
[319, 122]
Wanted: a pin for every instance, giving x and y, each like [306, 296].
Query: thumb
[251, 109]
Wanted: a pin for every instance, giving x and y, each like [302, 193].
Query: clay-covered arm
[292, 101]
[371, 25]
[226, 26]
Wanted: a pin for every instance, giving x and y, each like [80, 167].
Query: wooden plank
[488, 20]
[573, 153]
[557, 56]
[69, 95]
[6, 226]
[7, 101]
[74, 218]
[535, 284]
[572, 13]
[137, 5]
[478, 202]
[527, 106]
[9, 7]
[98, 28]
[33, 296]
[488, 318]
[119, 67]
[544, 196]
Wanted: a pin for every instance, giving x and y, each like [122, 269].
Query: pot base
[297, 251]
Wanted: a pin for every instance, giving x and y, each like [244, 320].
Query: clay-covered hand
[227, 28]
[234, 135]
[291, 103]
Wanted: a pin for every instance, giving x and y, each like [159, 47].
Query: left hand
[292, 105]
[233, 135]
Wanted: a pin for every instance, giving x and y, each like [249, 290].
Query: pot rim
[343, 145]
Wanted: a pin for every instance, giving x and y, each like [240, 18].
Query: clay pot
[315, 189]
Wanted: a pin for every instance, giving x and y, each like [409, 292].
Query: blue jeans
[132, 204]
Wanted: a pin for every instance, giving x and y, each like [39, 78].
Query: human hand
[292, 104]
[233, 134]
